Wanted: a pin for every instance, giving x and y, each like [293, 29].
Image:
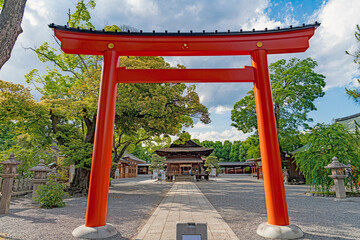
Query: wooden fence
[20, 186]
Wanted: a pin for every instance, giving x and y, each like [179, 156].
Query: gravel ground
[131, 203]
[241, 202]
[239, 199]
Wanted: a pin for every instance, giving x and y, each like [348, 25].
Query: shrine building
[185, 161]
[128, 166]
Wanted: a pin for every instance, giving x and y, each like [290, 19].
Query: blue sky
[335, 35]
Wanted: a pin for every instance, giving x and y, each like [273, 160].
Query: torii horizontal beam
[90, 42]
[185, 75]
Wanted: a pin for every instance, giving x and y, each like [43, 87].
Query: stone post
[117, 173]
[71, 173]
[8, 174]
[39, 177]
[337, 170]
[286, 176]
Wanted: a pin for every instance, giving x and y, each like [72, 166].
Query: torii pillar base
[105, 231]
[279, 232]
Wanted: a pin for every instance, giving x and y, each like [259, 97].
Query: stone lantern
[338, 174]
[8, 174]
[40, 173]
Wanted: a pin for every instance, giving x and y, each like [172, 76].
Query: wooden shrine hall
[184, 162]
[127, 166]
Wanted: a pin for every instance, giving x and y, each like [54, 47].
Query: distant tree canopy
[233, 151]
[355, 92]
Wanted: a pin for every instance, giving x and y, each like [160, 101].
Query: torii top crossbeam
[95, 42]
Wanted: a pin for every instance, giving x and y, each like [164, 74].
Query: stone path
[185, 203]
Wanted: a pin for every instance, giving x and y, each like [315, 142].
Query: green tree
[325, 142]
[157, 162]
[355, 93]
[142, 152]
[212, 162]
[250, 148]
[235, 151]
[24, 127]
[226, 149]
[295, 86]
[70, 90]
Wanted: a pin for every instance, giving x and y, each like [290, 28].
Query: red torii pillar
[257, 44]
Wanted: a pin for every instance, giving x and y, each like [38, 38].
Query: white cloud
[220, 109]
[335, 36]
[232, 135]
[141, 7]
[200, 125]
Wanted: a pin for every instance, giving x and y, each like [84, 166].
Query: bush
[52, 194]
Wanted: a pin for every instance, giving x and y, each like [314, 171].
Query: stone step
[186, 178]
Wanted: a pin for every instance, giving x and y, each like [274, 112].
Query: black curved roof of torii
[191, 33]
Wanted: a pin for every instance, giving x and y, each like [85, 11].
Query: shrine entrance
[185, 169]
[256, 44]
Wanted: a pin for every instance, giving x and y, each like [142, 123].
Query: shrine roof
[253, 160]
[187, 34]
[233, 164]
[186, 147]
[184, 160]
[349, 121]
[132, 157]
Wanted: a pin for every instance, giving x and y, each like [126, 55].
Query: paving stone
[185, 203]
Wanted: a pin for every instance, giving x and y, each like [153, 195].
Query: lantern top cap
[336, 164]
[40, 167]
[10, 161]
[190, 33]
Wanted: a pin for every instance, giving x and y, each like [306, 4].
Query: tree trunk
[80, 184]
[54, 125]
[90, 133]
[10, 27]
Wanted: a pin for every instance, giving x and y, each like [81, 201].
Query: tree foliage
[355, 93]
[142, 152]
[212, 162]
[250, 148]
[144, 112]
[295, 86]
[24, 127]
[234, 151]
[323, 143]
[157, 162]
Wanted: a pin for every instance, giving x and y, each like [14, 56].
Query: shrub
[52, 194]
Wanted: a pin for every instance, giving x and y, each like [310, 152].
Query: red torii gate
[257, 44]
